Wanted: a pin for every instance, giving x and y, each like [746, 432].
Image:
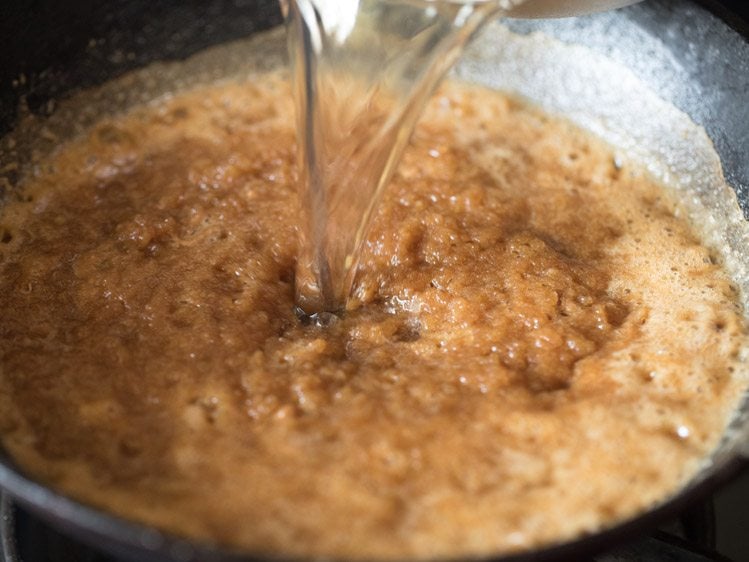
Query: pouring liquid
[362, 71]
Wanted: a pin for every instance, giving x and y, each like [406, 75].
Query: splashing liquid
[362, 72]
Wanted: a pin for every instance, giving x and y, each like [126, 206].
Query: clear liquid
[362, 73]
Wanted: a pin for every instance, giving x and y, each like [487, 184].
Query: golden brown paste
[537, 347]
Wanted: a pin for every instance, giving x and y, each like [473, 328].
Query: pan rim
[124, 537]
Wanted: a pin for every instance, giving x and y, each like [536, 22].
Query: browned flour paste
[538, 346]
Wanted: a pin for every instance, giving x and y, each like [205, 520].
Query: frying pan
[695, 56]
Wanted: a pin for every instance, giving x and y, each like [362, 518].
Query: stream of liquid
[362, 72]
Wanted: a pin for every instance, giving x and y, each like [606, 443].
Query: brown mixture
[538, 346]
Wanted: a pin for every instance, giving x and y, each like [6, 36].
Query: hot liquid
[363, 71]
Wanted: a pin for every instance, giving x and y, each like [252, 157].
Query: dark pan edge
[736, 16]
[132, 541]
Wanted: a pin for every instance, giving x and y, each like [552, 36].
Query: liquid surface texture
[537, 345]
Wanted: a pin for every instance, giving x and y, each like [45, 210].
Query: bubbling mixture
[537, 346]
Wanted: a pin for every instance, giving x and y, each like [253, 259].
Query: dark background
[729, 10]
[40, 38]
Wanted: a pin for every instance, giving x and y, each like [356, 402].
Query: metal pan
[679, 50]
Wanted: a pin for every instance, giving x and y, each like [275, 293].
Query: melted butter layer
[537, 346]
